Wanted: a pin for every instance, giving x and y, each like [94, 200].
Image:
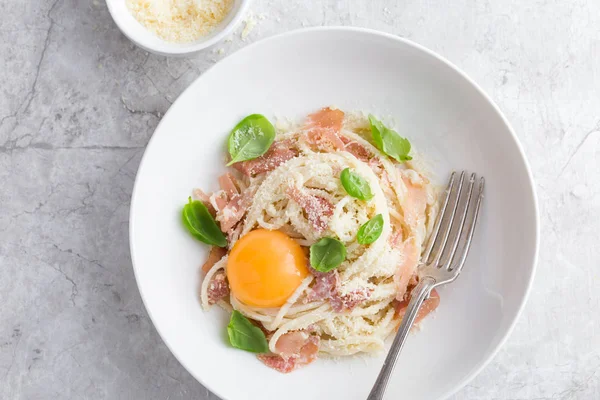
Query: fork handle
[418, 296]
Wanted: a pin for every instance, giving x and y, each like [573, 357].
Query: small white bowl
[147, 40]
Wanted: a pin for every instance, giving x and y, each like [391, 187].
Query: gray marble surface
[79, 102]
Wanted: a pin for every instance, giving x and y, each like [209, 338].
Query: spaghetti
[372, 282]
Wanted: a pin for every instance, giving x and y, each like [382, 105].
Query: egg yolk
[265, 267]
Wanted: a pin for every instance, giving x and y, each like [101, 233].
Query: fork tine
[447, 222]
[464, 202]
[467, 238]
[438, 222]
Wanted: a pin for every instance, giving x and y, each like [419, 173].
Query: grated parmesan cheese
[250, 24]
[180, 21]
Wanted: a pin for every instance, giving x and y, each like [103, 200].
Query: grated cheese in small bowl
[177, 27]
[180, 21]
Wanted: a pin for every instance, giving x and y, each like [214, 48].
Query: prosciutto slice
[359, 151]
[230, 204]
[205, 199]
[280, 152]
[318, 210]
[327, 287]
[407, 267]
[349, 300]
[229, 185]
[291, 343]
[295, 349]
[278, 363]
[218, 288]
[233, 212]
[323, 129]
[324, 287]
[415, 203]
[428, 306]
[216, 253]
[356, 149]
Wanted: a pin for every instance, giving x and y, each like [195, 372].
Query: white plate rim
[483, 363]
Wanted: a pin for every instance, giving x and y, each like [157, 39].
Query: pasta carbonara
[295, 189]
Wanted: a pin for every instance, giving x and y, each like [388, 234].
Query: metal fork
[442, 261]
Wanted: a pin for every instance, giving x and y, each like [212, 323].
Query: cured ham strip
[234, 234]
[414, 207]
[327, 287]
[291, 343]
[415, 203]
[280, 152]
[347, 301]
[356, 149]
[218, 288]
[233, 212]
[278, 363]
[309, 351]
[408, 266]
[324, 287]
[318, 210]
[323, 129]
[359, 151]
[230, 204]
[218, 200]
[229, 184]
[296, 348]
[326, 118]
[200, 195]
[205, 199]
[428, 306]
[216, 253]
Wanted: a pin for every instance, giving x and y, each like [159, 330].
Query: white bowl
[445, 115]
[147, 40]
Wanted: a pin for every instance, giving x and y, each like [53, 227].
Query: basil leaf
[371, 230]
[201, 224]
[244, 335]
[356, 185]
[388, 141]
[327, 254]
[251, 138]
